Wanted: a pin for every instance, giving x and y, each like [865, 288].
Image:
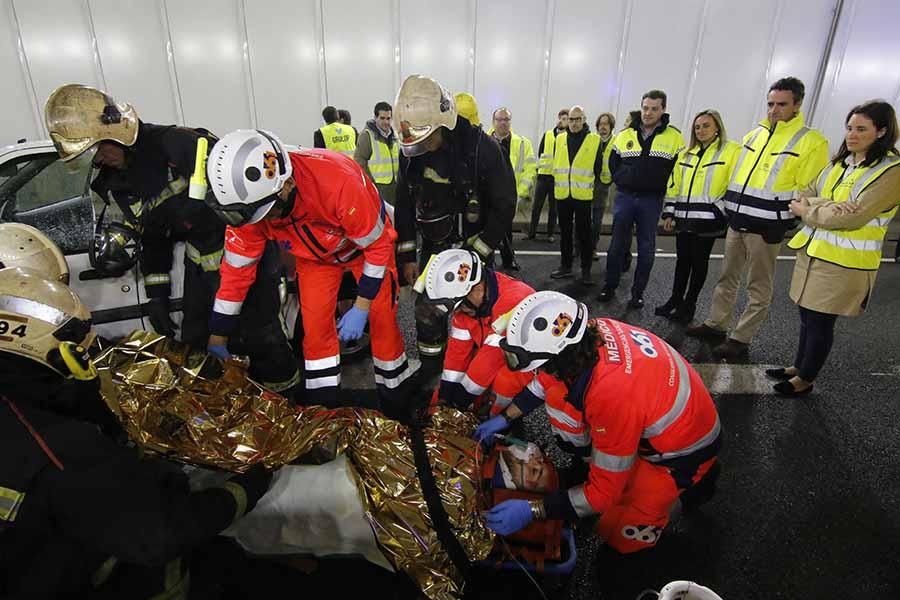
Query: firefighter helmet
[422, 107]
[22, 245]
[450, 275]
[78, 117]
[38, 314]
[467, 107]
[540, 327]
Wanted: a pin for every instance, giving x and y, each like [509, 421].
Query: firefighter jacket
[152, 192]
[468, 174]
[521, 157]
[473, 355]
[337, 216]
[82, 503]
[852, 248]
[774, 165]
[641, 401]
[696, 194]
[643, 165]
[577, 162]
[337, 137]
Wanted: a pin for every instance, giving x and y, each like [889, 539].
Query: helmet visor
[242, 214]
[520, 359]
[70, 148]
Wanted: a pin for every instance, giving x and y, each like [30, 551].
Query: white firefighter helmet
[22, 245]
[450, 275]
[540, 327]
[422, 107]
[37, 314]
[78, 117]
[246, 169]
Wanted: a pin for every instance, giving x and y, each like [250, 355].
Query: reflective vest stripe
[680, 402]
[385, 160]
[575, 180]
[703, 442]
[207, 262]
[10, 501]
[611, 462]
[545, 163]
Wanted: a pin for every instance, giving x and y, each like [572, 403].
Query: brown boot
[705, 331]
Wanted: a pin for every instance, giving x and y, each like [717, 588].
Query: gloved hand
[477, 244]
[484, 433]
[76, 360]
[351, 325]
[158, 311]
[255, 482]
[220, 351]
[509, 517]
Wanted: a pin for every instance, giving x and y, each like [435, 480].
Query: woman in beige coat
[845, 213]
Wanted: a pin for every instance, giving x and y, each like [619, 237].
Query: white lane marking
[725, 378]
[658, 255]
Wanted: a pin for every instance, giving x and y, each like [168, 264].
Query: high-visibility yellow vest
[605, 173]
[854, 248]
[339, 137]
[575, 180]
[698, 183]
[385, 160]
[545, 161]
[521, 157]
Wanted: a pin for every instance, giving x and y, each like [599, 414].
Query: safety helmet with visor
[449, 277]
[37, 314]
[22, 245]
[540, 327]
[422, 107]
[247, 169]
[79, 117]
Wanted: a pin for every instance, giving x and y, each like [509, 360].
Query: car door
[39, 189]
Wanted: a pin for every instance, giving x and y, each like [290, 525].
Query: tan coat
[829, 288]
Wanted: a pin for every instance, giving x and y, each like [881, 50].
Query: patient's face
[527, 468]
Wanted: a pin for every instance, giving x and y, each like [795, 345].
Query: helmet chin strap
[287, 206]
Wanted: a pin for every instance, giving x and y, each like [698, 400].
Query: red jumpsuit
[338, 223]
[652, 429]
[474, 361]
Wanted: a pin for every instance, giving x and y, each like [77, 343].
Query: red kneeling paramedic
[652, 427]
[479, 299]
[322, 208]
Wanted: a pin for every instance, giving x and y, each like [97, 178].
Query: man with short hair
[543, 189]
[335, 135]
[641, 161]
[577, 163]
[521, 156]
[378, 153]
[781, 156]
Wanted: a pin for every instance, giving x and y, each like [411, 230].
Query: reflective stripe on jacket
[575, 180]
[385, 160]
[856, 248]
[545, 161]
[774, 165]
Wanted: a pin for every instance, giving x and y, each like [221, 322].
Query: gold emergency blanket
[191, 407]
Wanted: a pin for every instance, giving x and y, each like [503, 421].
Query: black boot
[668, 309]
[685, 313]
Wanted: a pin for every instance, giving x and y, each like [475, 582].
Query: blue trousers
[640, 211]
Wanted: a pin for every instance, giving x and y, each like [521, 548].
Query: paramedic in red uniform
[651, 425]
[322, 208]
[479, 298]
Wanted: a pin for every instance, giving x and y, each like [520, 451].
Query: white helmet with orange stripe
[540, 327]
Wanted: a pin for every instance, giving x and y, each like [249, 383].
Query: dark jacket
[152, 191]
[643, 172]
[105, 501]
[475, 166]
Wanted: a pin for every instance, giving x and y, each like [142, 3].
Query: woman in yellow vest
[695, 209]
[845, 216]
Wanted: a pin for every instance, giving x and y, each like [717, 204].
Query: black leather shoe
[667, 309]
[561, 273]
[780, 373]
[786, 388]
[606, 294]
[636, 302]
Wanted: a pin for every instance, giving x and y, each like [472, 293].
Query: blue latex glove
[352, 324]
[220, 351]
[509, 517]
[484, 433]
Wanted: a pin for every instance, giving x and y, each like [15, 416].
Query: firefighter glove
[158, 311]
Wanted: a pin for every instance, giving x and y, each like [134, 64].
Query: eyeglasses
[576, 119]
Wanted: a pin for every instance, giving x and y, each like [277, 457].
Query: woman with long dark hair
[695, 209]
[845, 214]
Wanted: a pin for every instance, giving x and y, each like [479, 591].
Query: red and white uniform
[338, 223]
[651, 426]
[474, 361]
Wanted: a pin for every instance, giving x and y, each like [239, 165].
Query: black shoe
[668, 309]
[606, 294]
[779, 373]
[684, 314]
[702, 491]
[731, 349]
[786, 388]
[705, 331]
[586, 278]
[636, 302]
[561, 273]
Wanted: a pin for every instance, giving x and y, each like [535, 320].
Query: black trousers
[260, 333]
[543, 190]
[578, 211]
[691, 265]
[816, 338]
